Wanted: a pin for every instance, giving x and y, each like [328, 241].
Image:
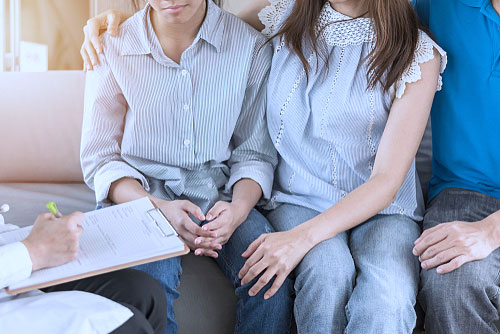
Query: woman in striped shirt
[176, 112]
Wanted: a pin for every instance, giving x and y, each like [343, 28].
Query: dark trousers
[134, 289]
[466, 300]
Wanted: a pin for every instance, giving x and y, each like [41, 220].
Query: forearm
[357, 207]
[126, 190]
[246, 194]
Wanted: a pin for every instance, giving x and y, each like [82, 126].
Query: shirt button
[186, 107]
[187, 142]
[210, 185]
[184, 73]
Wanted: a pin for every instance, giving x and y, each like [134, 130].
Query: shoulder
[237, 30]
[273, 15]
[428, 54]
[129, 36]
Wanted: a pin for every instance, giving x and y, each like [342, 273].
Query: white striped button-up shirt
[188, 130]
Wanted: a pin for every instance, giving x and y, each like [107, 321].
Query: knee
[323, 272]
[460, 286]
[147, 292]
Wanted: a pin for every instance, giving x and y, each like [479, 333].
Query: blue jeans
[253, 314]
[364, 280]
[467, 300]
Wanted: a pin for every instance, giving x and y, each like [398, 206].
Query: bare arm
[279, 253]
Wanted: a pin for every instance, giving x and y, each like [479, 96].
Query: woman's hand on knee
[272, 255]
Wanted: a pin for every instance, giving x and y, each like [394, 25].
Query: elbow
[388, 186]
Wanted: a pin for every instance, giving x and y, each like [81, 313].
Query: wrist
[491, 225]
[240, 211]
[34, 253]
[305, 236]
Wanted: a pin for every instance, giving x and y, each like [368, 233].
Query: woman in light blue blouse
[350, 91]
[176, 112]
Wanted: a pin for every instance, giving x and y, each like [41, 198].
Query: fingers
[441, 258]
[453, 264]
[253, 247]
[278, 282]
[216, 224]
[250, 262]
[113, 23]
[427, 240]
[254, 271]
[87, 62]
[197, 231]
[208, 243]
[216, 210]
[433, 250]
[193, 209]
[206, 252]
[262, 281]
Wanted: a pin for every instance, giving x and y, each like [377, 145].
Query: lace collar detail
[341, 30]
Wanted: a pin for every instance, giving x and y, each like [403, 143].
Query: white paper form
[112, 236]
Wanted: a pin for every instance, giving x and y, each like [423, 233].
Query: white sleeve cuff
[260, 172]
[15, 264]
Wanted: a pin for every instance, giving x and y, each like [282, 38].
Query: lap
[382, 250]
[454, 204]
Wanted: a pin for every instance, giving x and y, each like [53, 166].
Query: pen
[53, 209]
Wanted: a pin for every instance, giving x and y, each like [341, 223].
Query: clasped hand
[222, 220]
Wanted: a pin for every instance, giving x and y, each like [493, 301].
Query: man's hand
[107, 21]
[177, 213]
[223, 220]
[54, 241]
[448, 246]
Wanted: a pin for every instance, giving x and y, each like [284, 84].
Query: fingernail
[197, 241]
[251, 293]
[204, 228]
[424, 265]
[414, 251]
[197, 253]
[439, 270]
[266, 297]
[209, 217]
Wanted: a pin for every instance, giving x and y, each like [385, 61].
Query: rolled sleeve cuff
[260, 172]
[110, 173]
[15, 262]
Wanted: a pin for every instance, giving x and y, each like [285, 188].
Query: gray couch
[39, 144]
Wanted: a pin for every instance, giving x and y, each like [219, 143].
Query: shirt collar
[136, 41]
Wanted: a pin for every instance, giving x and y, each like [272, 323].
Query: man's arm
[448, 246]
[52, 242]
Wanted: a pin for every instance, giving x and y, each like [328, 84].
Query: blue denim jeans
[253, 314]
[467, 300]
[364, 280]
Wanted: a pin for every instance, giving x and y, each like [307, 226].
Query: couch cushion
[41, 117]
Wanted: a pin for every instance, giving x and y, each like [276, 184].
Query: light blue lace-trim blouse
[327, 131]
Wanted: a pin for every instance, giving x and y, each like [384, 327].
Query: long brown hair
[396, 33]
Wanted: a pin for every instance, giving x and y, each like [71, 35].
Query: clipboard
[157, 218]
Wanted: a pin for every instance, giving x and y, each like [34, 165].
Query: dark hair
[396, 29]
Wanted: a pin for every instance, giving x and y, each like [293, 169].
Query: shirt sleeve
[273, 16]
[254, 156]
[102, 133]
[422, 9]
[15, 264]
